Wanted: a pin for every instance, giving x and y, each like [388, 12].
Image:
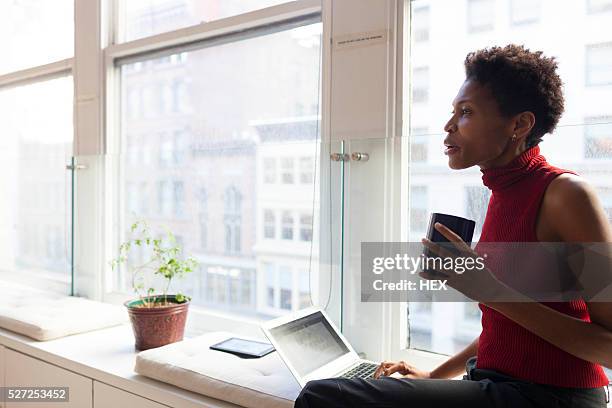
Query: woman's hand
[386, 368]
[477, 284]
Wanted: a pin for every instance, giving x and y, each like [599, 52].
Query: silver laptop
[312, 347]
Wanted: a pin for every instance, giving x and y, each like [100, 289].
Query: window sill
[106, 356]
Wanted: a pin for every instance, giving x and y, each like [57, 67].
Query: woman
[529, 354]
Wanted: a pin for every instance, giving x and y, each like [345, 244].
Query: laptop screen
[309, 343]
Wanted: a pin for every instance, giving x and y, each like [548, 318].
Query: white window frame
[154, 45]
[29, 76]
[97, 114]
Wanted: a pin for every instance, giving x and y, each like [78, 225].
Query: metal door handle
[76, 167]
[339, 157]
[358, 156]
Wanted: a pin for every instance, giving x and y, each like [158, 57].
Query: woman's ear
[523, 124]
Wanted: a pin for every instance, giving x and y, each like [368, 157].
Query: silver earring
[514, 138]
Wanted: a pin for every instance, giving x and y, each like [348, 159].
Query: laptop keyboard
[363, 370]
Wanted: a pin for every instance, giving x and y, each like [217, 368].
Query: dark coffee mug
[460, 226]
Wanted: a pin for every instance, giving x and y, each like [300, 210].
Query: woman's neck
[510, 153]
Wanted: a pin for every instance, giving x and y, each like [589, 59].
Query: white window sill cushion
[45, 316]
[191, 365]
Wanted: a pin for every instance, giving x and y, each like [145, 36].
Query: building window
[599, 64]
[164, 197]
[179, 198]
[420, 24]
[481, 15]
[166, 150]
[285, 285]
[270, 284]
[247, 282]
[605, 194]
[306, 170]
[233, 219]
[143, 197]
[180, 97]
[216, 284]
[131, 198]
[598, 137]
[525, 11]
[180, 147]
[418, 209]
[304, 289]
[269, 170]
[476, 203]
[287, 226]
[418, 145]
[149, 101]
[133, 103]
[269, 224]
[165, 98]
[599, 6]
[203, 217]
[287, 170]
[306, 227]
[420, 85]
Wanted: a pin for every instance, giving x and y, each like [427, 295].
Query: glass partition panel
[36, 212]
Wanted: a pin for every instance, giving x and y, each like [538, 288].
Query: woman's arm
[572, 211]
[449, 369]
[456, 364]
[588, 341]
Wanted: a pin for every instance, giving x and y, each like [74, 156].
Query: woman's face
[477, 133]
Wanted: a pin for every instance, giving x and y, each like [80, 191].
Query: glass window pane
[598, 6]
[418, 210]
[287, 225]
[598, 137]
[306, 227]
[143, 18]
[269, 224]
[36, 220]
[286, 287]
[304, 289]
[599, 64]
[476, 203]
[287, 170]
[269, 170]
[418, 144]
[525, 11]
[481, 15]
[420, 24]
[35, 32]
[420, 84]
[232, 159]
[582, 141]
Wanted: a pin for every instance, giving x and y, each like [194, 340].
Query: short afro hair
[520, 81]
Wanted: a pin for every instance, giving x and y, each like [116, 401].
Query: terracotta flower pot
[157, 326]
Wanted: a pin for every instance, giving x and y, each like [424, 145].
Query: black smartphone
[244, 348]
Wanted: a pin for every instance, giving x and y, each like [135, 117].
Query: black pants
[479, 388]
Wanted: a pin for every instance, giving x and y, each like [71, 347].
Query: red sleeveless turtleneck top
[505, 346]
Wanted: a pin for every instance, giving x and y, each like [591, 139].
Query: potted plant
[157, 318]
